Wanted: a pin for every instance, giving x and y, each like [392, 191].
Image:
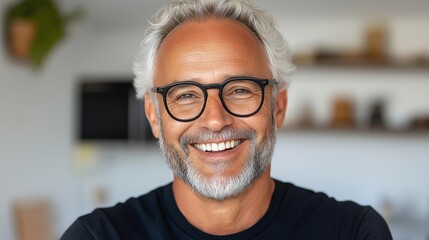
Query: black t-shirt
[294, 213]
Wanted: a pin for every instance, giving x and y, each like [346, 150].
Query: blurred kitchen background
[72, 136]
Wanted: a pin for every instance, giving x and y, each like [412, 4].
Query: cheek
[265, 118]
[172, 130]
[261, 122]
[169, 126]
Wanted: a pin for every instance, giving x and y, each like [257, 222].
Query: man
[213, 75]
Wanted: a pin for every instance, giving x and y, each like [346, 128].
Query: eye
[185, 96]
[241, 91]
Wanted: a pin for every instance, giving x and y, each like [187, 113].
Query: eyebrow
[224, 77]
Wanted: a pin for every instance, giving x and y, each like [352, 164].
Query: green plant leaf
[50, 25]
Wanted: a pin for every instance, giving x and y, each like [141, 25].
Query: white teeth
[221, 146]
[217, 146]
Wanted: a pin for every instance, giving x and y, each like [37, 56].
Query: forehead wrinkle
[221, 76]
[223, 56]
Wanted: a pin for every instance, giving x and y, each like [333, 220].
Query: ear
[281, 105]
[149, 108]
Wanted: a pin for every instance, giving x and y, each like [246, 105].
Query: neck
[227, 216]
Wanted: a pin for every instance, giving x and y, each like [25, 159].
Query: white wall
[36, 136]
[37, 150]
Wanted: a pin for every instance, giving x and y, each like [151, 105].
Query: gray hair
[177, 12]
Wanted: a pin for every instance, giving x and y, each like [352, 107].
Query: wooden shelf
[363, 64]
[329, 130]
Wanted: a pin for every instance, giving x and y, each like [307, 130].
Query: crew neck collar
[180, 221]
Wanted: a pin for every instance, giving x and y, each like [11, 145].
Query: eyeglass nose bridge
[212, 86]
[219, 87]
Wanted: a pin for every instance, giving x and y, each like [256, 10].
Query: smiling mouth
[216, 147]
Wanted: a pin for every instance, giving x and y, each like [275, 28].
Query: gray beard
[219, 187]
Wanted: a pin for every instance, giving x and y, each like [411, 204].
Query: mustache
[205, 135]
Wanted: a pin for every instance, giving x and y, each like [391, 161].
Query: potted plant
[33, 28]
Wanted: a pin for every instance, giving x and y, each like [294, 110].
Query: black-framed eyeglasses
[240, 96]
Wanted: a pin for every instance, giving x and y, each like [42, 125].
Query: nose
[214, 117]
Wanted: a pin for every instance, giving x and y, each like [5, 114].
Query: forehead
[210, 49]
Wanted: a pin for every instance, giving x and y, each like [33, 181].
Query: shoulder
[318, 202]
[327, 216]
[373, 226]
[146, 206]
[112, 222]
